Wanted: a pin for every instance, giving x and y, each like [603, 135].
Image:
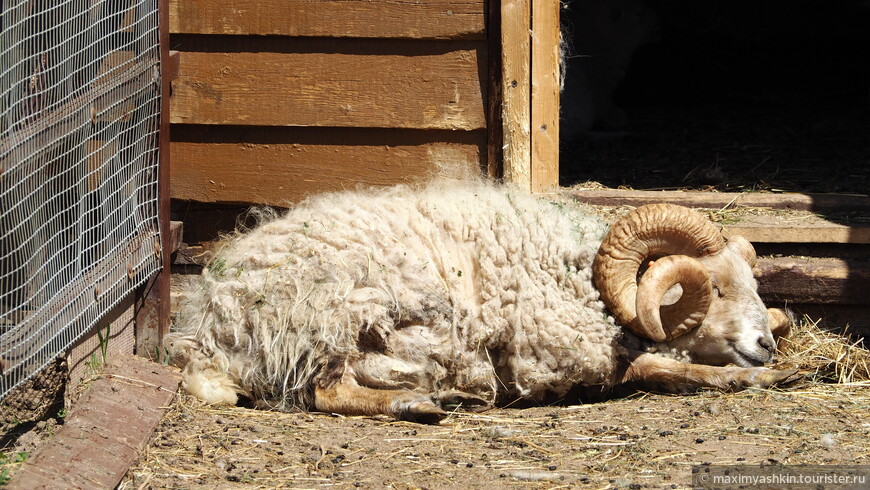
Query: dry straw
[825, 355]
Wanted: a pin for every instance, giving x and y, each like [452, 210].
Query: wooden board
[516, 91]
[819, 203]
[436, 86]
[813, 280]
[495, 141]
[545, 96]
[278, 166]
[429, 19]
[106, 430]
[853, 251]
[775, 229]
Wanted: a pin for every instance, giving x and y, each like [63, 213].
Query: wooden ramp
[108, 427]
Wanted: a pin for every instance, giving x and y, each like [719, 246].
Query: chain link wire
[79, 119]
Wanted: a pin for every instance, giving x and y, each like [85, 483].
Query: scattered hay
[642, 440]
[646, 440]
[825, 355]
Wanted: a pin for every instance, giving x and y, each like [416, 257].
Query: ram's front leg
[345, 396]
[653, 370]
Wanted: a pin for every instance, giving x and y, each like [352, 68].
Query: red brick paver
[106, 429]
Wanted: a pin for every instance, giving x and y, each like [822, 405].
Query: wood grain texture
[436, 87]
[819, 203]
[431, 19]
[773, 229]
[279, 166]
[813, 280]
[516, 91]
[806, 229]
[545, 96]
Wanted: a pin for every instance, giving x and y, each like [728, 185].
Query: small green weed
[96, 363]
[218, 266]
[104, 341]
[6, 461]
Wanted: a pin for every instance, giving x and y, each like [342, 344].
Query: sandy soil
[643, 441]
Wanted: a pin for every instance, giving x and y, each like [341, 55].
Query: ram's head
[666, 273]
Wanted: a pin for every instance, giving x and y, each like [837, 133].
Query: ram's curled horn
[649, 232]
[682, 316]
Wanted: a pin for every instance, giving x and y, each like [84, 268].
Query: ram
[396, 301]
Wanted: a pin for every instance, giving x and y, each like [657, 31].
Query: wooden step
[802, 229]
[817, 203]
[106, 431]
[813, 280]
[822, 219]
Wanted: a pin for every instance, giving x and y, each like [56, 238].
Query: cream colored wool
[467, 286]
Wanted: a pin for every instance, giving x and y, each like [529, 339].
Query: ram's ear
[780, 322]
[743, 248]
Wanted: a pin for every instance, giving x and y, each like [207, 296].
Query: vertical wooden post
[516, 91]
[545, 96]
[152, 300]
[530, 93]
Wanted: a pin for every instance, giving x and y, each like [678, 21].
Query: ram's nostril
[767, 344]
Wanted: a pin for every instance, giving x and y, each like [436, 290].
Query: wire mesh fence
[79, 120]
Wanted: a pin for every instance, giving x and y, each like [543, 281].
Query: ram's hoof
[459, 398]
[770, 377]
[422, 412]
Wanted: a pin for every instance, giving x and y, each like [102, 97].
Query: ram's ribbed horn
[744, 248]
[684, 315]
[649, 231]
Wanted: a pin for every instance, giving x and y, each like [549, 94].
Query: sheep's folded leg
[676, 376]
[347, 397]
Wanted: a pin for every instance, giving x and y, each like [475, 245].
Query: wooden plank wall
[278, 99]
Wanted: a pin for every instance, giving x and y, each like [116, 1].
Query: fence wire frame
[80, 95]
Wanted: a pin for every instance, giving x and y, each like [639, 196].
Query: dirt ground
[643, 441]
[637, 440]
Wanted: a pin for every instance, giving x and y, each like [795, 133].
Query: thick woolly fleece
[468, 287]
